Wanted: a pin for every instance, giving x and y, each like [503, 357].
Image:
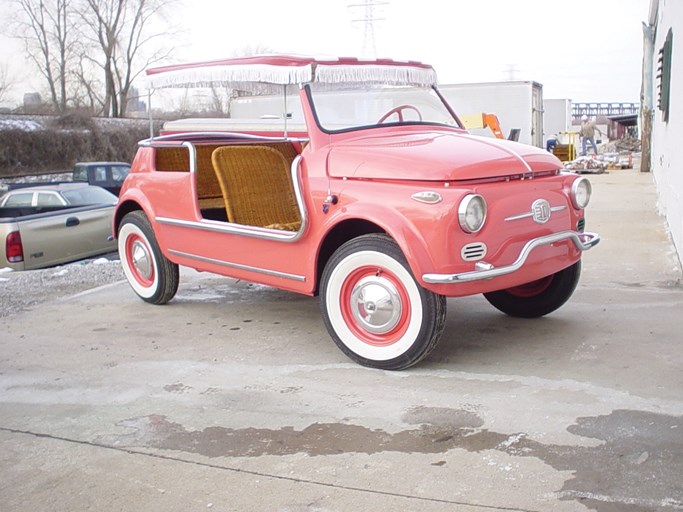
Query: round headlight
[472, 213]
[581, 193]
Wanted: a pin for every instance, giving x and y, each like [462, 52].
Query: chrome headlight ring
[472, 213]
[581, 193]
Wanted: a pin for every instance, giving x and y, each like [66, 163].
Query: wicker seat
[257, 188]
[177, 159]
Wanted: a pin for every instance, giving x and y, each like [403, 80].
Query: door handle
[72, 221]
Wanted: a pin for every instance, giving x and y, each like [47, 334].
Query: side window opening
[80, 173]
[47, 199]
[100, 174]
[20, 199]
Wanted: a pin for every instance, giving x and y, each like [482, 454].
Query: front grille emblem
[540, 211]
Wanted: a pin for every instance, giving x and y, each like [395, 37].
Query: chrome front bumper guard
[483, 270]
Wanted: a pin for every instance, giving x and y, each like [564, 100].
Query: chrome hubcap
[141, 259]
[376, 304]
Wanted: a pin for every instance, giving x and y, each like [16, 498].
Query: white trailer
[557, 118]
[518, 105]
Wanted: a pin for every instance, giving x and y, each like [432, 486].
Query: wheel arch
[122, 210]
[131, 204]
[400, 229]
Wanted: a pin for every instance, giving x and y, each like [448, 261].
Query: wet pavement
[233, 397]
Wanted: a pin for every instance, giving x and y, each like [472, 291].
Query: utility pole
[368, 18]
[511, 72]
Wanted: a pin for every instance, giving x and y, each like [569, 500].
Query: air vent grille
[473, 252]
[581, 225]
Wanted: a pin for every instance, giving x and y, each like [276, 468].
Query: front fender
[407, 232]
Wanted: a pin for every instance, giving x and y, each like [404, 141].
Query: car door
[66, 235]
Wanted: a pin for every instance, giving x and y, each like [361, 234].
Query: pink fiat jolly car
[355, 181]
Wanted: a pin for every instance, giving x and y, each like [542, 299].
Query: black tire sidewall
[552, 298]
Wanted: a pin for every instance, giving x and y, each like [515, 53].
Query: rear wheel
[538, 298]
[373, 307]
[151, 275]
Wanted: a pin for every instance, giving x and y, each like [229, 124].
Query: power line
[368, 18]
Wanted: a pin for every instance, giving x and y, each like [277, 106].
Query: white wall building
[663, 91]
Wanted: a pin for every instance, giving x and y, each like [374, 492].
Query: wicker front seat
[256, 187]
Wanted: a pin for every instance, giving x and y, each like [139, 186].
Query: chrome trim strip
[226, 227]
[298, 193]
[252, 231]
[164, 140]
[531, 214]
[582, 241]
[239, 266]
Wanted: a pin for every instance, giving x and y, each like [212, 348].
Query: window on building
[664, 76]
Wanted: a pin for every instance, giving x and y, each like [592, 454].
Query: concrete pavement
[233, 397]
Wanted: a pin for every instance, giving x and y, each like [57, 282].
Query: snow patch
[20, 124]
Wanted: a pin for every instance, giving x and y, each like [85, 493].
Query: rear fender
[134, 200]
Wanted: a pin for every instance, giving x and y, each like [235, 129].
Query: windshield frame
[312, 104]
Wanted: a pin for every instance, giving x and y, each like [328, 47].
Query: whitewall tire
[151, 275]
[374, 309]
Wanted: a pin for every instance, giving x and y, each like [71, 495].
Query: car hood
[435, 157]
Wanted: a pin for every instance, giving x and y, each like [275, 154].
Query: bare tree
[121, 29]
[6, 83]
[88, 94]
[46, 29]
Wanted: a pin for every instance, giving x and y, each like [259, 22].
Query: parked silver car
[52, 224]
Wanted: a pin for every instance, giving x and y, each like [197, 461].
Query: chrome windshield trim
[484, 270]
[531, 214]
[252, 231]
[239, 266]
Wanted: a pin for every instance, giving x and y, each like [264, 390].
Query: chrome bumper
[483, 270]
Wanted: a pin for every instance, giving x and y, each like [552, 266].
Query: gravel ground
[21, 290]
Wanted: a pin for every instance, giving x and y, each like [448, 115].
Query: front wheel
[151, 275]
[538, 298]
[375, 310]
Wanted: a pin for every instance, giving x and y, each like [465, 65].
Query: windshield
[377, 105]
[89, 195]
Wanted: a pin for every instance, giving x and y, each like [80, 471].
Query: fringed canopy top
[258, 72]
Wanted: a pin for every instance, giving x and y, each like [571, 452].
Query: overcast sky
[584, 50]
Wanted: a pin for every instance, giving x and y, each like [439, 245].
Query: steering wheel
[399, 110]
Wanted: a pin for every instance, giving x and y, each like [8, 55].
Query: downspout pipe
[647, 87]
